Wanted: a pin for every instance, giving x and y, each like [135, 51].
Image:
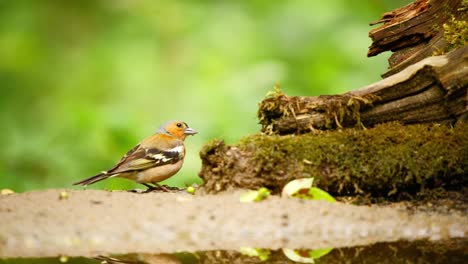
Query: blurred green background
[83, 81]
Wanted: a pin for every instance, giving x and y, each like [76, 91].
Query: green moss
[383, 161]
[464, 6]
[210, 147]
[456, 28]
[455, 32]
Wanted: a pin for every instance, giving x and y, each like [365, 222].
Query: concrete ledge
[88, 223]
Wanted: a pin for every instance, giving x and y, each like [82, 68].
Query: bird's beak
[189, 131]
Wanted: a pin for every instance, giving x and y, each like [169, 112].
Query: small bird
[154, 159]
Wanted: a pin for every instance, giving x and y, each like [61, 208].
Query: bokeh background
[83, 81]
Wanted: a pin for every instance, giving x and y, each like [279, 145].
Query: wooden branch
[92, 223]
[395, 33]
[432, 90]
[419, 30]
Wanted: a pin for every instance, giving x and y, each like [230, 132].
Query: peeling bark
[432, 90]
[417, 31]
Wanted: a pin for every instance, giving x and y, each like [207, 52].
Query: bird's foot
[171, 188]
[162, 188]
[156, 187]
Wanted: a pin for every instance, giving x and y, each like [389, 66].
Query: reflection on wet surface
[453, 251]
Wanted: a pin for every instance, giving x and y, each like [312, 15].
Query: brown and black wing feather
[99, 177]
[106, 174]
[137, 159]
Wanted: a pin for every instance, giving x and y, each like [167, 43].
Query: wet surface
[423, 251]
[87, 223]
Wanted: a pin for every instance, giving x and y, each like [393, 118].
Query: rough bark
[432, 90]
[419, 30]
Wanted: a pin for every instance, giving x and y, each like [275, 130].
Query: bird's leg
[155, 187]
[147, 185]
[161, 187]
[150, 188]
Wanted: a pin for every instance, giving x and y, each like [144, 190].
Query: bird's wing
[133, 152]
[141, 158]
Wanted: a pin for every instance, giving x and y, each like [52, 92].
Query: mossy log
[432, 90]
[386, 161]
[419, 30]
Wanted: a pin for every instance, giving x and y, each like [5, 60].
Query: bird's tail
[101, 176]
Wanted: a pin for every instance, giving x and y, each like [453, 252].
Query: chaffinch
[154, 159]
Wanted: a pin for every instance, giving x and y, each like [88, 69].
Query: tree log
[388, 161]
[432, 90]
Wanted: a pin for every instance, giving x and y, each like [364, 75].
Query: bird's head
[177, 129]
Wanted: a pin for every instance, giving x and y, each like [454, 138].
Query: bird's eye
[179, 125]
